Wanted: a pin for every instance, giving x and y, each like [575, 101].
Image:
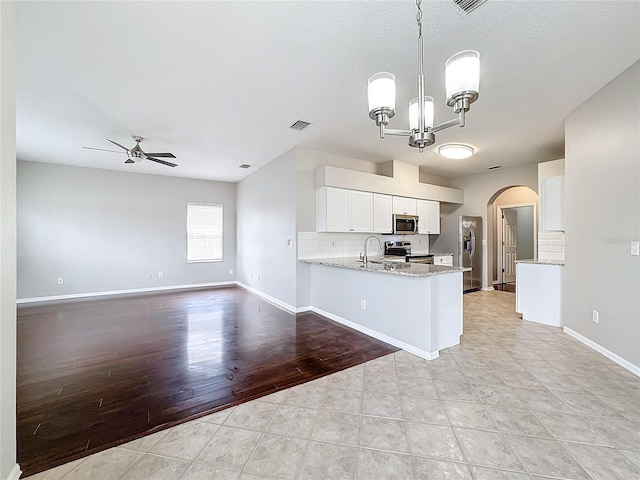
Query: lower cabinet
[539, 292]
[443, 260]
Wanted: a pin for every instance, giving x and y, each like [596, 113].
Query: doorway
[516, 241]
[523, 201]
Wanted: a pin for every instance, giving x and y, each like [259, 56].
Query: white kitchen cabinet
[361, 211]
[382, 213]
[539, 292]
[405, 206]
[443, 260]
[340, 210]
[552, 202]
[429, 216]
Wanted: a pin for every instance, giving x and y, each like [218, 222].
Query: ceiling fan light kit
[462, 74]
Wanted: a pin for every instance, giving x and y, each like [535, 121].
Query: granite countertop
[394, 266]
[542, 262]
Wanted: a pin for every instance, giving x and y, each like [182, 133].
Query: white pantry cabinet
[428, 217]
[340, 210]
[382, 213]
[405, 206]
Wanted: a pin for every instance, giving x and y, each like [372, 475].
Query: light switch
[635, 248]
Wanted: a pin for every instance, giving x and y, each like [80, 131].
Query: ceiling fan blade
[166, 155]
[102, 149]
[129, 161]
[116, 143]
[168, 164]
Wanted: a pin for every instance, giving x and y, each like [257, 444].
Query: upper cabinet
[552, 203]
[405, 206]
[340, 210]
[382, 213]
[428, 217]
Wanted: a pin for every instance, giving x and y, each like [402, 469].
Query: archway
[523, 203]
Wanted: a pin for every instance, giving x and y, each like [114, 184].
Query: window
[204, 232]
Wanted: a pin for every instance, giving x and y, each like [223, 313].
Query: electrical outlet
[363, 304]
[231, 271]
[160, 274]
[635, 248]
[60, 281]
[149, 276]
[594, 316]
[251, 276]
[258, 277]
[290, 243]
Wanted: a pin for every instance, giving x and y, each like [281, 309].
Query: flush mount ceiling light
[455, 151]
[462, 73]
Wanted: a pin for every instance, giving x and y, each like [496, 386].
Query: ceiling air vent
[300, 125]
[244, 165]
[465, 7]
[494, 167]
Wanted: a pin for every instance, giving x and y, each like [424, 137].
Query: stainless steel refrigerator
[470, 251]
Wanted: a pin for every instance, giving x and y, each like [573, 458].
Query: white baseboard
[268, 298]
[121, 292]
[600, 349]
[377, 335]
[308, 308]
[15, 473]
[487, 289]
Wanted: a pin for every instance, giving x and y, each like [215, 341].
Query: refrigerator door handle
[473, 243]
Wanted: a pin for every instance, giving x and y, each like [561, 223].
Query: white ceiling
[219, 83]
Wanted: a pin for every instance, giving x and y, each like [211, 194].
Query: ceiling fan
[136, 154]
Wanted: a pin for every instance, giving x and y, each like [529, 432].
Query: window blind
[204, 232]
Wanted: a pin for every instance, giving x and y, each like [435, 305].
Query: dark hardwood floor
[96, 373]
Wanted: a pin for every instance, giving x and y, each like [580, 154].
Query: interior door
[509, 245]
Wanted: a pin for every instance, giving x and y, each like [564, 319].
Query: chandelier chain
[419, 18]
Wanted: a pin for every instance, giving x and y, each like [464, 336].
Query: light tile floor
[514, 401]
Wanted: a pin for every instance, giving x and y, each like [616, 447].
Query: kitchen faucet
[365, 257]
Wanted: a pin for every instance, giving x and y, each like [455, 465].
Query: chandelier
[462, 74]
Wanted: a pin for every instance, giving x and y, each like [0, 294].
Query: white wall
[479, 189]
[525, 232]
[7, 242]
[103, 230]
[602, 206]
[266, 221]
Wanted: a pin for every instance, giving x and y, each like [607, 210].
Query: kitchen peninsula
[416, 307]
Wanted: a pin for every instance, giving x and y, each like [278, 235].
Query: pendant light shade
[382, 92]
[414, 113]
[463, 74]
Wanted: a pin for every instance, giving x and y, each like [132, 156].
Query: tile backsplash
[343, 245]
[551, 245]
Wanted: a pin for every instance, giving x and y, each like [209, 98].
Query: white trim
[121, 292]
[600, 349]
[487, 289]
[272, 300]
[377, 335]
[308, 308]
[15, 473]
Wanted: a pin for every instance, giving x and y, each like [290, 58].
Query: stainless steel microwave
[405, 224]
